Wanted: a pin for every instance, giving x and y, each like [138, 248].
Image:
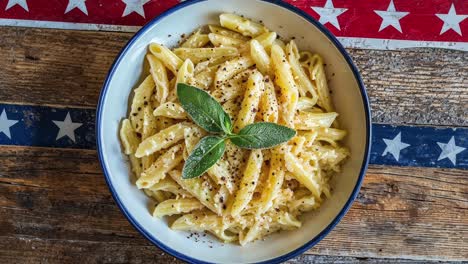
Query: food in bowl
[234, 132]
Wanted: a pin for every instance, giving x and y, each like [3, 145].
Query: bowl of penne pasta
[234, 131]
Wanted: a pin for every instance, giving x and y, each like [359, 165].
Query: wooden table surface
[55, 206]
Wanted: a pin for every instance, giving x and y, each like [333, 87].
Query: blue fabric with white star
[424, 148]
[42, 126]
[36, 127]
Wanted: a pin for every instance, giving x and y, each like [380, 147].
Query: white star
[451, 20]
[67, 127]
[22, 3]
[80, 4]
[391, 17]
[394, 146]
[450, 151]
[134, 6]
[329, 14]
[6, 123]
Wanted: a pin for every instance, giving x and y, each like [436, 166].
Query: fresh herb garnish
[206, 112]
[262, 135]
[207, 152]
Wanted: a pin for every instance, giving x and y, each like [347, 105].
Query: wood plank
[411, 86]
[56, 66]
[416, 86]
[319, 259]
[405, 212]
[28, 250]
[61, 195]
[33, 250]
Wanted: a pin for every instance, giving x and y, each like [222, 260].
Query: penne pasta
[233, 88]
[248, 183]
[141, 98]
[251, 235]
[297, 145]
[196, 40]
[280, 43]
[210, 63]
[284, 79]
[306, 103]
[205, 78]
[177, 206]
[172, 97]
[226, 32]
[220, 173]
[170, 110]
[149, 123]
[185, 73]
[205, 222]
[233, 67]
[249, 106]
[197, 55]
[260, 57]
[159, 196]
[166, 56]
[304, 84]
[318, 76]
[241, 25]
[268, 103]
[308, 120]
[310, 137]
[192, 136]
[219, 40]
[273, 184]
[305, 176]
[267, 39]
[128, 137]
[158, 170]
[247, 194]
[137, 166]
[161, 140]
[159, 73]
[200, 188]
[232, 106]
[168, 185]
[330, 135]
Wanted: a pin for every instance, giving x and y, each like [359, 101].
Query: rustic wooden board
[405, 212]
[28, 251]
[56, 200]
[414, 86]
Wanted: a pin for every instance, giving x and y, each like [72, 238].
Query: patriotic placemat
[43, 126]
[376, 24]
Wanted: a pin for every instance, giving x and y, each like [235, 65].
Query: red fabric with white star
[356, 18]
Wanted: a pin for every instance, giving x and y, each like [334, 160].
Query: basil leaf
[207, 152]
[204, 110]
[262, 135]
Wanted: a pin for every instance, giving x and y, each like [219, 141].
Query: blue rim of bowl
[347, 205]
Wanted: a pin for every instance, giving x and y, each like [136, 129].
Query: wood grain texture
[412, 213]
[413, 86]
[319, 259]
[28, 251]
[416, 86]
[57, 201]
[56, 66]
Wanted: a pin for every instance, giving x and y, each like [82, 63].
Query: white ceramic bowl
[349, 97]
